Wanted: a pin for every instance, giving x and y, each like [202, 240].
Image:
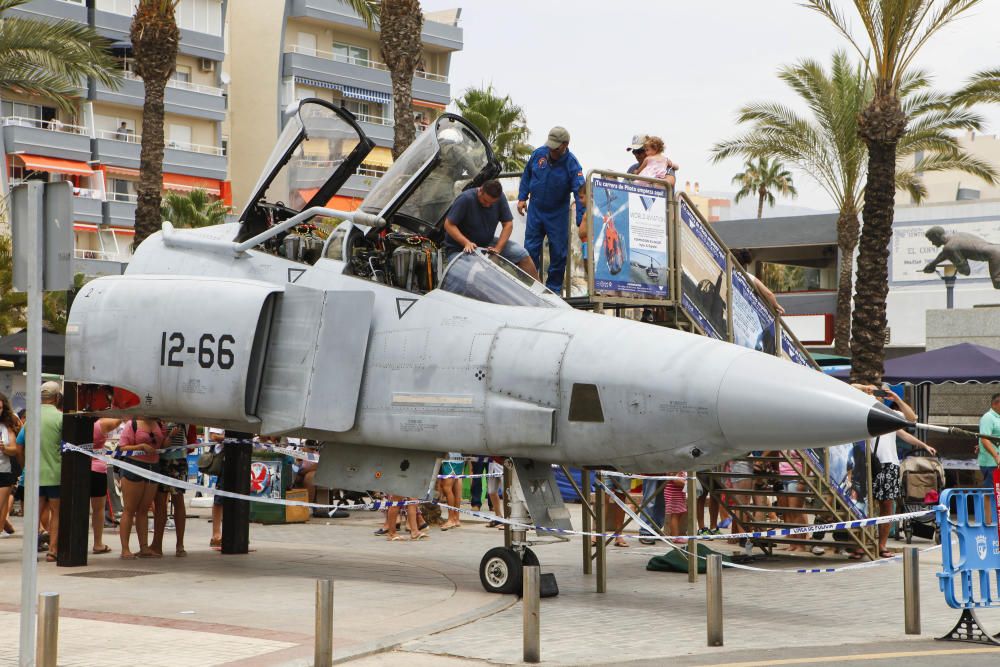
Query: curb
[392, 642]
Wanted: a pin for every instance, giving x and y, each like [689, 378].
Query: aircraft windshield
[424, 181]
[317, 142]
[485, 277]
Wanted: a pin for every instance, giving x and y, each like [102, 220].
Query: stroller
[923, 481]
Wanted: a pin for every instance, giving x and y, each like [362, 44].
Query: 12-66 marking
[209, 351]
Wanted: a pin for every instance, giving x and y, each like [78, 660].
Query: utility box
[46, 211]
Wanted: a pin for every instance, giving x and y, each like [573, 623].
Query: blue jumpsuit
[549, 184]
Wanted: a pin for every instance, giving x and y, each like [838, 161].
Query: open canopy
[962, 363]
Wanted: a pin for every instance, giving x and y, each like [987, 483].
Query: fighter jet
[350, 328]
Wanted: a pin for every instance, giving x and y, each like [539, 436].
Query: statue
[960, 247]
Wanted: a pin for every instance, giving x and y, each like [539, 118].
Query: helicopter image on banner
[355, 332]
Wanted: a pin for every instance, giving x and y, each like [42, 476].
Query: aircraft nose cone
[768, 403]
[882, 420]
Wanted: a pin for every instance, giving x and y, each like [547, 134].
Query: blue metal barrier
[970, 559]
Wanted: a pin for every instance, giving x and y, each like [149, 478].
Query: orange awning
[428, 105]
[84, 227]
[184, 183]
[338, 202]
[119, 171]
[39, 163]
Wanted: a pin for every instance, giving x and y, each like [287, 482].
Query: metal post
[530, 604]
[48, 629]
[29, 547]
[508, 481]
[602, 564]
[323, 655]
[911, 590]
[588, 564]
[692, 527]
[713, 599]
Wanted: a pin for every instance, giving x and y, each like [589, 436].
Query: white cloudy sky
[677, 68]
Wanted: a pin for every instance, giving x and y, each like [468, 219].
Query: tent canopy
[962, 363]
[15, 348]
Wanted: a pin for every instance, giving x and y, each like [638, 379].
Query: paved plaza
[420, 603]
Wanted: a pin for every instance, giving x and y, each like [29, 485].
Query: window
[180, 136]
[200, 16]
[307, 43]
[346, 53]
[492, 279]
[123, 7]
[358, 108]
[182, 73]
[32, 111]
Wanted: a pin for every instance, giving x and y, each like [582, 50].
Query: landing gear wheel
[529, 557]
[500, 571]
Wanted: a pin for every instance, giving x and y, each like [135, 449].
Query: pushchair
[923, 481]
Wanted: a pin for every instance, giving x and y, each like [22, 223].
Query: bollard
[713, 599]
[911, 590]
[692, 527]
[323, 655]
[530, 603]
[602, 553]
[47, 646]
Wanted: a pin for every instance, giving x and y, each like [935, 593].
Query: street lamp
[948, 271]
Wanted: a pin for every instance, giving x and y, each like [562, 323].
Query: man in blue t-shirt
[472, 223]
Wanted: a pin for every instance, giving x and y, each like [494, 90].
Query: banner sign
[703, 274]
[753, 323]
[791, 351]
[265, 479]
[996, 497]
[911, 251]
[630, 239]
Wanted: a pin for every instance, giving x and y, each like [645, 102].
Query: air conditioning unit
[206, 65]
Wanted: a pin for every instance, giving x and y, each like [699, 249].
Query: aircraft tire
[500, 571]
[529, 557]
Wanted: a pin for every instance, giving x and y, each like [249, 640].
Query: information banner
[265, 479]
[911, 250]
[703, 274]
[630, 239]
[790, 350]
[753, 323]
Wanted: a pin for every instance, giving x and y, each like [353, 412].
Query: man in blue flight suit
[550, 175]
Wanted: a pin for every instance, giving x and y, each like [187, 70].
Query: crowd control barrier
[970, 560]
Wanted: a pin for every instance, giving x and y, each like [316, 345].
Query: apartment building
[96, 147]
[282, 51]
[953, 185]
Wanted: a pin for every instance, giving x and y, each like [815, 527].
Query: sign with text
[911, 250]
[753, 323]
[630, 239]
[704, 290]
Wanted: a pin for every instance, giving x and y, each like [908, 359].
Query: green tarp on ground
[676, 560]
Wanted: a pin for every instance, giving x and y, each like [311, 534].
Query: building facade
[96, 147]
[951, 186]
[282, 51]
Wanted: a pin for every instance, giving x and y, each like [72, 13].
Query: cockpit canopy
[319, 148]
[419, 188]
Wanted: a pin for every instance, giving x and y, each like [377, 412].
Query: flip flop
[180, 553]
[215, 542]
[105, 550]
[856, 556]
[128, 556]
[886, 554]
[398, 538]
[50, 558]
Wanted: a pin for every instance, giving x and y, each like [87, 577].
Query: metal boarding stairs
[752, 511]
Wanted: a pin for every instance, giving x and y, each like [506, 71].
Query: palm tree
[155, 37]
[759, 179]
[502, 123]
[401, 22]
[52, 59]
[982, 87]
[11, 303]
[894, 33]
[194, 209]
[828, 148]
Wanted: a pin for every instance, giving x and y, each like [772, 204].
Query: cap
[50, 390]
[638, 141]
[557, 137]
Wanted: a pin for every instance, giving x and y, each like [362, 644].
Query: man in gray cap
[550, 176]
[49, 460]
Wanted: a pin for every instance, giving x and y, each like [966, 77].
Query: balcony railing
[53, 125]
[195, 148]
[80, 253]
[128, 136]
[361, 62]
[377, 120]
[123, 197]
[368, 171]
[177, 83]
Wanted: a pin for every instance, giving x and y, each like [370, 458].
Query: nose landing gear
[501, 570]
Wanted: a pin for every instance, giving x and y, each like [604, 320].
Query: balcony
[438, 34]
[122, 149]
[198, 44]
[48, 138]
[360, 73]
[50, 9]
[181, 97]
[119, 210]
[87, 206]
[96, 263]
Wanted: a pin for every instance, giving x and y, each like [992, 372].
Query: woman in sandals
[10, 426]
[143, 437]
[99, 482]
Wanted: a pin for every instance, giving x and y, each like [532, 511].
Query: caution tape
[386, 504]
[613, 473]
[482, 474]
